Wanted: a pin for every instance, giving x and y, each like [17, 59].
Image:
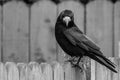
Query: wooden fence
[27, 31]
[56, 71]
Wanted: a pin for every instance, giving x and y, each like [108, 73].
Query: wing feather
[76, 37]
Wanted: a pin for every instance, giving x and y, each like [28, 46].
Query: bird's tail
[104, 61]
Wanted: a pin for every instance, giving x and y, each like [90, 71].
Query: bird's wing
[76, 37]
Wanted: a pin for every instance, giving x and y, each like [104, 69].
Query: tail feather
[103, 61]
[107, 60]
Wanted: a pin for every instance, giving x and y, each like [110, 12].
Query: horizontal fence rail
[56, 71]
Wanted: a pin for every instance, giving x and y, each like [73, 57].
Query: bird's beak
[66, 20]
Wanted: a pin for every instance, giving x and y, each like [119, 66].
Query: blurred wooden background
[27, 30]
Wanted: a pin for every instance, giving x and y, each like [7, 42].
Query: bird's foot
[78, 67]
[71, 60]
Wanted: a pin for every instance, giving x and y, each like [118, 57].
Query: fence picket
[15, 32]
[100, 24]
[36, 72]
[100, 72]
[3, 72]
[58, 72]
[69, 72]
[22, 71]
[47, 71]
[0, 29]
[43, 44]
[12, 71]
[117, 28]
[115, 75]
[93, 70]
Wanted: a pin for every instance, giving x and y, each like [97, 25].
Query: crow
[75, 43]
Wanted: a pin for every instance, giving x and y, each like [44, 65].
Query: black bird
[75, 43]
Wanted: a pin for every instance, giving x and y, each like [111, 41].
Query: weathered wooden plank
[12, 71]
[93, 66]
[119, 48]
[115, 76]
[100, 24]
[43, 44]
[23, 71]
[116, 28]
[119, 68]
[58, 71]
[101, 72]
[47, 71]
[36, 71]
[69, 72]
[15, 32]
[3, 72]
[78, 11]
[109, 72]
[0, 29]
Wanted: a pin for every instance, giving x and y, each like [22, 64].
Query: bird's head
[66, 16]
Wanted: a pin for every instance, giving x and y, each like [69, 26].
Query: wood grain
[93, 69]
[43, 44]
[101, 72]
[36, 72]
[22, 67]
[116, 28]
[3, 72]
[12, 71]
[0, 30]
[58, 72]
[69, 72]
[15, 32]
[115, 76]
[78, 11]
[47, 71]
[100, 25]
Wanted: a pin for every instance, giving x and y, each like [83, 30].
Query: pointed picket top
[47, 71]
[36, 72]
[22, 71]
[58, 71]
[12, 71]
[3, 72]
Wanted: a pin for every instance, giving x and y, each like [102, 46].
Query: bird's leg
[77, 64]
